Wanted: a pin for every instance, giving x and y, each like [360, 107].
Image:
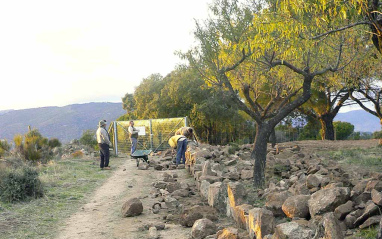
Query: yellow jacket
[173, 141]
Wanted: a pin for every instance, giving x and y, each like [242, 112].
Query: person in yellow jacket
[179, 142]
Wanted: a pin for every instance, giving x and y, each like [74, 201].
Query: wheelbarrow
[141, 155]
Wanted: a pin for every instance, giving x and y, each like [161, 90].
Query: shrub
[4, 147]
[20, 184]
[32, 146]
[88, 139]
[343, 129]
[377, 135]
[77, 154]
[233, 147]
[54, 143]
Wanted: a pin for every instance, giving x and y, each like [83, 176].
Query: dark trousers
[181, 152]
[105, 155]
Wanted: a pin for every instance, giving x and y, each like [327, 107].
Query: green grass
[368, 233]
[368, 158]
[67, 185]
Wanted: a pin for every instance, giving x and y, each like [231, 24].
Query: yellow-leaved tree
[266, 57]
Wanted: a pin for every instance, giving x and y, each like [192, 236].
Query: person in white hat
[104, 143]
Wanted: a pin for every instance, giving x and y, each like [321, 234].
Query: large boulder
[275, 200]
[240, 215]
[133, 207]
[313, 181]
[236, 194]
[261, 222]
[228, 233]
[332, 227]
[203, 228]
[204, 188]
[297, 206]
[359, 188]
[173, 186]
[189, 216]
[207, 171]
[204, 153]
[370, 210]
[217, 196]
[376, 197]
[374, 184]
[341, 211]
[326, 200]
[246, 174]
[374, 220]
[293, 230]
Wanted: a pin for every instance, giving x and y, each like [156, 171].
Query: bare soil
[101, 217]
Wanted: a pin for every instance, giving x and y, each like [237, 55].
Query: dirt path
[101, 216]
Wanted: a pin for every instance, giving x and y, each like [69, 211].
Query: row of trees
[263, 60]
[184, 93]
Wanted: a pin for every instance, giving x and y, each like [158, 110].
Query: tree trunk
[259, 154]
[380, 140]
[327, 128]
[272, 138]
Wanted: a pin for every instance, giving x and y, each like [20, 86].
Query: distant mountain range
[362, 121]
[69, 122]
[65, 123]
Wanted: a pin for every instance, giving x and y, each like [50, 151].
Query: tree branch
[341, 29]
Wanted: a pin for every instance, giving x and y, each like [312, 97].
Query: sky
[56, 52]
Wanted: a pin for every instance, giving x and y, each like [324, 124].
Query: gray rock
[332, 227]
[370, 210]
[293, 230]
[261, 222]
[228, 233]
[275, 200]
[362, 198]
[133, 207]
[210, 179]
[160, 185]
[204, 187]
[376, 197]
[230, 162]
[217, 196]
[240, 215]
[173, 186]
[374, 220]
[374, 184]
[296, 206]
[181, 193]
[204, 153]
[189, 216]
[341, 211]
[246, 174]
[171, 203]
[313, 181]
[203, 228]
[236, 194]
[326, 200]
[207, 171]
[153, 233]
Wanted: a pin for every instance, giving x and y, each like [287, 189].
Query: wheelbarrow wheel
[137, 161]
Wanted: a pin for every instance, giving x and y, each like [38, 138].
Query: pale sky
[56, 52]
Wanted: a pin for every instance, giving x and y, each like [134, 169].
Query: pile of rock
[305, 198]
[68, 150]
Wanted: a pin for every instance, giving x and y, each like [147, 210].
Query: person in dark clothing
[104, 143]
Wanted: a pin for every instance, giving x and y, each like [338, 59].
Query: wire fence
[153, 133]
